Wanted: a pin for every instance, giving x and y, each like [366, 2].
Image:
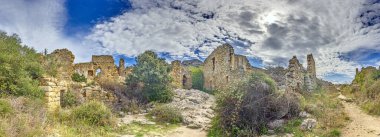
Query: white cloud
[40, 24]
[279, 29]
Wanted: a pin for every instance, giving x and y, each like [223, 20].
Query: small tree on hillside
[151, 76]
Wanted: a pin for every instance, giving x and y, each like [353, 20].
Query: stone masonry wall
[53, 90]
[223, 66]
[181, 76]
[298, 79]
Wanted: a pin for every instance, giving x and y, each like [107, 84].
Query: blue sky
[342, 35]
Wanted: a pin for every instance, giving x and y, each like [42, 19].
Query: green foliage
[372, 107]
[19, 68]
[166, 114]
[334, 133]
[151, 76]
[69, 99]
[376, 75]
[78, 78]
[92, 113]
[247, 106]
[5, 108]
[197, 78]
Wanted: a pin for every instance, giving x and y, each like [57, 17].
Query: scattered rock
[276, 124]
[304, 114]
[121, 114]
[195, 106]
[308, 124]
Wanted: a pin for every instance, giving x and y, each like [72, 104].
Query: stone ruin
[223, 66]
[298, 79]
[101, 67]
[181, 76]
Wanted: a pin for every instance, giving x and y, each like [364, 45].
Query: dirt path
[187, 132]
[362, 125]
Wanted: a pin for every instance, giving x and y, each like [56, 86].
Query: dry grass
[24, 117]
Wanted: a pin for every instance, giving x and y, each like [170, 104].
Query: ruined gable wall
[65, 60]
[181, 76]
[223, 66]
[311, 66]
[295, 76]
[105, 63]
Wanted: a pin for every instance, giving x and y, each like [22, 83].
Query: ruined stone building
[298, 79]
[223, 66]
[101, 67]
[181, 75]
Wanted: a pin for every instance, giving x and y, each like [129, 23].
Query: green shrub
[166, 114]
[5, 108]
[69, 99]
[197, 78]
[92, 113]
[151, 76]
[20, 68]
[334, 133]
[247, 106]
[78, 78]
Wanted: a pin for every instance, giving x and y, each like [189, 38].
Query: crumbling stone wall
[97, 93]
[295, 75]
[101, 67]
[298, 79]
[53, 91]
[181, 76]
[65, 59]
[223, 66]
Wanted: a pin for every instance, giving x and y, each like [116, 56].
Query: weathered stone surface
[181, 76]
[298, 79]
[308, 124]
[65, 60]
[196, 107]
[223, 66]
[276, 124]
[101, 67]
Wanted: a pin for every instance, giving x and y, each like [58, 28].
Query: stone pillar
[52, 93]
[121, 67]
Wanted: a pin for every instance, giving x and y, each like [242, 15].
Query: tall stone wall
[298, 79]
[53, 90]
[223, 67]
[295, 76]
[181, 75]
[122, 68]
[65, 60]
[101, 67]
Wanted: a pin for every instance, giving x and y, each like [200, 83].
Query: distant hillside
[365, 89]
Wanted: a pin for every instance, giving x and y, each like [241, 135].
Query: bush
[69, 99]
[5, 108]
[197, 78]
[151, 76]
[78, 78]
[20, 68]
[92, 113]
[166, 114]
[247, 106]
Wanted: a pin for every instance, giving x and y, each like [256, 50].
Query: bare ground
[362, 124]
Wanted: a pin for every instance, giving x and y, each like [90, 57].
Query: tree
[151, 76]
[20, 67]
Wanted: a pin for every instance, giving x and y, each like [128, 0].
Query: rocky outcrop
[65, 63]
[196, 107]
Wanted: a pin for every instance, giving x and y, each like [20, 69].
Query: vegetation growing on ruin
[197, 77]
[151, 76]
[246, 107]
[19, 68]
[78, 78]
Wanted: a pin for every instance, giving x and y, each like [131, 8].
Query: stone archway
[98, 72]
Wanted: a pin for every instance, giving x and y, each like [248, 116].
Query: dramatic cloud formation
[39, 23]
[269, 30]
